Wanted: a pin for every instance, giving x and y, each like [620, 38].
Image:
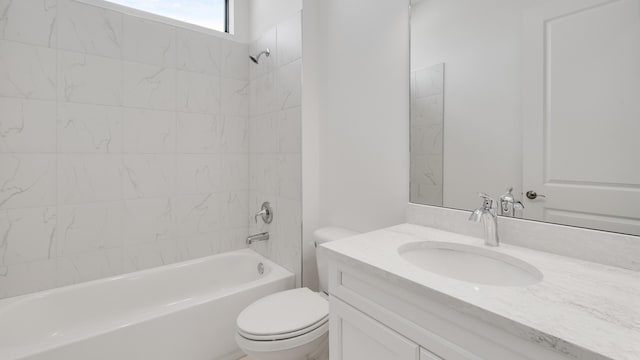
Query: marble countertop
[581, 309]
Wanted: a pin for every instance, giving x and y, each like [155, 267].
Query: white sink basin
[470, 263]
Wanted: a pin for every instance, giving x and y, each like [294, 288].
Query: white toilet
[292, 324]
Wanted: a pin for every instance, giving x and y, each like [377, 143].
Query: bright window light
[211, 14]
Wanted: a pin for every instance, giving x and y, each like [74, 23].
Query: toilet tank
[321, 236]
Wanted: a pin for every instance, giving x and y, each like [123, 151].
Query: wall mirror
[538, 96]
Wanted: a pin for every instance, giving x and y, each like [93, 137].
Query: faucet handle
[508, 196]
[487, 201]
[484, 196]
[260, 213]
[266, 213]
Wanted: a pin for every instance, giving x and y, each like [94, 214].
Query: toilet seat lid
[284, 313]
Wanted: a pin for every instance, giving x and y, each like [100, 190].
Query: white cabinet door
[582, 114]
[427, 355]
[355, 336]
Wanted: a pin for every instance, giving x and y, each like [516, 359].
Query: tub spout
[257, 237]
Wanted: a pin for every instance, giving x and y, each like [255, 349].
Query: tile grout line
[58, 237]
[122, 166]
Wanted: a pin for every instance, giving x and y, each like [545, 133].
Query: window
[212, 14]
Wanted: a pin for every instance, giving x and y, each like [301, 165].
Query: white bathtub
[183, 311]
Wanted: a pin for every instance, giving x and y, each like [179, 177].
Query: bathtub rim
[41, 293]
[277, 273]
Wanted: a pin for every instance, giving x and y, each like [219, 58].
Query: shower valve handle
[266, 213]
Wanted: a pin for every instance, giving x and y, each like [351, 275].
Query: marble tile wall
[124, 143]
[427, 129]
[275, 93]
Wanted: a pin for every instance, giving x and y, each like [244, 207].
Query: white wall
[265, 14]
[240, 20]
[366, 141]
[356, 70]
[313, 112]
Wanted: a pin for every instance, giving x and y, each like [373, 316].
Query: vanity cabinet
[374, 317]
[354, 336]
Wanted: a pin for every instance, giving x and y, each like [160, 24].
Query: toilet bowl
[288, 325]
[292, 324]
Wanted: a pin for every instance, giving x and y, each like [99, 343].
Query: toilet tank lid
[331, 233]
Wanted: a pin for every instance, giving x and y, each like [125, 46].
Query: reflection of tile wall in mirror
[427, 127]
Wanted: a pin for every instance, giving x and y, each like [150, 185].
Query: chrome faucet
[264, 236]
[489, 218]
[509, 204]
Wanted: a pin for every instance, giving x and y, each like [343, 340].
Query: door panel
[582, 113]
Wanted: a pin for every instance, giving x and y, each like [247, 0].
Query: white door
[355, 336]
[581, 143]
